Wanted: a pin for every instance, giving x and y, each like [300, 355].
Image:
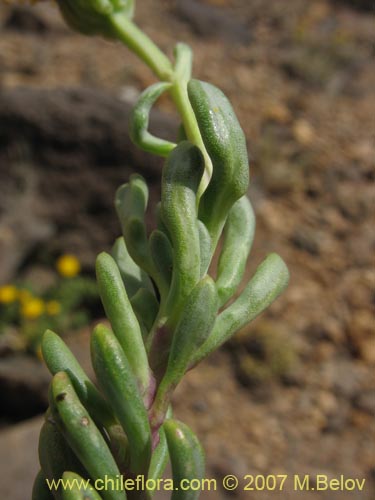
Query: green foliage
[122, 389]
[226, 144]
[187, 458]
[166, 311]
[140, 118]
[77, 492]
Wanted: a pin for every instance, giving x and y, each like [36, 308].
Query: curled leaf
[225, 143]
[181, 177]
[139, 120]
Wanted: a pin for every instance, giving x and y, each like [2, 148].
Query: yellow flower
[68, 266]
[32, 308]
[53, 307]
[8, 294]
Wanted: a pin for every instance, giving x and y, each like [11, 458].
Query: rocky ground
[294, 393]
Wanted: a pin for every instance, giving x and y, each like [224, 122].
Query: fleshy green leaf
[119, 385]
[205, 248]
[139, 120]
[181, 176]
[195, 324]
[162, 256]
[225, 143]
[81, 433]
[187, 459]
[159, 458]
[40, 488]
[145, 307]
[79, 488]
[269, 280]
[58, 357]
[133, 276]
[122, 317]
[131, 202]
[238, 238]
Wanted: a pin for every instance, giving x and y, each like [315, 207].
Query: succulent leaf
[122, 317]
[195, 324]
[146, 307]
[40, 488]
[79, 488]
[187, 458]
[81, 433]
[58, 357]
[139, 120]
[269, 280]
[116, 378]
[132, 275]
[181, 177]
[225, 143]
[238, 238]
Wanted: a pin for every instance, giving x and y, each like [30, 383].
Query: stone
[19, 459]
[22, 225]
[24, 379]
[24, 382]
[73, 137]
[66, 128]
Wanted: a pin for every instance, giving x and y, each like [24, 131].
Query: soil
[295, 392]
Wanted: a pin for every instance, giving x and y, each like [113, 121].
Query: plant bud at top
[93, 17]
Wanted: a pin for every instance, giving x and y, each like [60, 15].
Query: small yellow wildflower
[68, 266]
[33, 308]
[8, 294]
[53, 307]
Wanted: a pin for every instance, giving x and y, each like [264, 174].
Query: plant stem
[139, 43]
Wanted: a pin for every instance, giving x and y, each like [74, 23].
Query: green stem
[138, 42]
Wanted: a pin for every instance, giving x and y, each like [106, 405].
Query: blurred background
[294, 393]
